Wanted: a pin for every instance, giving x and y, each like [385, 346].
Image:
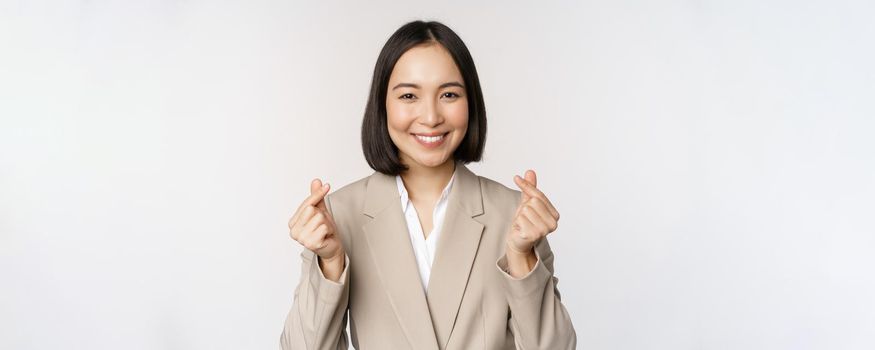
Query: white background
[713, 162]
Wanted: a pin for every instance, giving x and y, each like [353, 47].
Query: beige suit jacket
[471, 302]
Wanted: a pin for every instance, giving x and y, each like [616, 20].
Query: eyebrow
[411, 85]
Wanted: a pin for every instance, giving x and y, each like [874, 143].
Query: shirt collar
[405, 199]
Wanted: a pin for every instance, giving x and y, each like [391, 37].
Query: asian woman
[423, 253]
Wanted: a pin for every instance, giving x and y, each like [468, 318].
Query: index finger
[311, 200]
[534, 192]
[527, 187]
[317, 196]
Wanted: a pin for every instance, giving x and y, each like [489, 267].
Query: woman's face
[426, 106]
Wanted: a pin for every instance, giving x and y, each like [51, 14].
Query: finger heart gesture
[535, 216]
[313, 226]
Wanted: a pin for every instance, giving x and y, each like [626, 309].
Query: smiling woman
[426, 109]
[424, 71]
[423, 253]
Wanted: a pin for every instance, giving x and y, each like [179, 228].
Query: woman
[423, 253]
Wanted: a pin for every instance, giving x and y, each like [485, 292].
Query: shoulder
[350, 197]
[496, 194]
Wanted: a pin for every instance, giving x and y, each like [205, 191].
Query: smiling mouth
[430, 138]
[430, 141]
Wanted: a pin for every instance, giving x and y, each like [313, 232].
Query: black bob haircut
[380, 152]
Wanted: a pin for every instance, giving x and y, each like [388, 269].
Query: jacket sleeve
[319, 312]
[538, 319]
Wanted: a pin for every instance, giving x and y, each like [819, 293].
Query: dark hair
[381, 154]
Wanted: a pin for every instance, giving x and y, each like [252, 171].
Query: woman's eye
[451, 95]
[407, 96]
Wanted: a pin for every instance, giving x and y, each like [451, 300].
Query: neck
[427, 182]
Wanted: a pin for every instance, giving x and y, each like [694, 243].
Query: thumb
[321, 204]
[521, 182]
[315, 186]
[319, 190]
[531, 177]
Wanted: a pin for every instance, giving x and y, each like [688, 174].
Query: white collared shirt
[424, 248]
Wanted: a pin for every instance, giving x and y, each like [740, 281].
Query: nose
[431, 115]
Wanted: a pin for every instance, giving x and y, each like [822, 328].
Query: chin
[431, 163]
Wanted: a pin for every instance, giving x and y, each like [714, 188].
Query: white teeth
[429, 139]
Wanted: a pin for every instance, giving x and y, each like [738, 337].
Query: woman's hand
[313, 227]
[535, 217]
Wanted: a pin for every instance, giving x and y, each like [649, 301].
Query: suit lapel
[428, 323]
[392, 251]
[456, 250]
